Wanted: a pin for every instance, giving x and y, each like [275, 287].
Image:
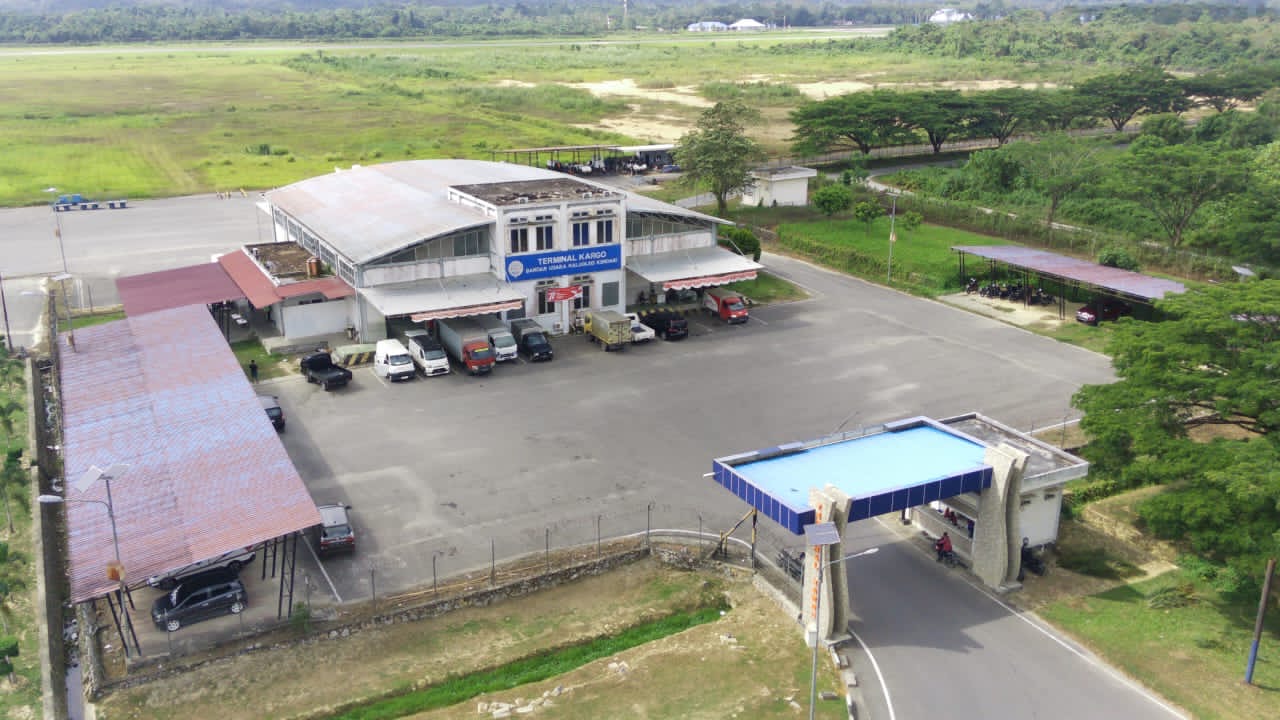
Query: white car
[639, 331]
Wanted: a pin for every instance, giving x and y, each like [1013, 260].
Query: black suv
[668, 325]
[334, 533]
[275, 413]
[199, 597]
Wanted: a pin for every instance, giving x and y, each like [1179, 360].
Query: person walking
[253, 371]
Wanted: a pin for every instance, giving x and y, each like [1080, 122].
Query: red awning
[262, 292]
[467, 311]
[708, 280]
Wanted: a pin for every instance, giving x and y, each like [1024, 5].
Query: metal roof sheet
[263, 292]
[433, 295]
[202, 284]
[369, 212]
[1134, 284]
[163, 393]
[704, 263]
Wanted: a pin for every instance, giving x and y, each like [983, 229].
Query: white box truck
[504, 344]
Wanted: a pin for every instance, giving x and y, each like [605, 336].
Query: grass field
[146, 122]
[922, 258]
[19, 698]
[1194, 655]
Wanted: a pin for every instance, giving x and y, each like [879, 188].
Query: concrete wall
[323, 318]
[1039, 517]
[669, 243]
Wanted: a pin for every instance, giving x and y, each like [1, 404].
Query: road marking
[376, 377]
[320, 565]
[1088, 658]
[884, 688]
[756, 318]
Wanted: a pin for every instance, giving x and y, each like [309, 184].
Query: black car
[668, 325]
[275, 413]
[199, 597]
[334, 533]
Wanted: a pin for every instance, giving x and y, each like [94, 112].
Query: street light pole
[4, 305]
[92, 475]
[817, 624]
[62, 252]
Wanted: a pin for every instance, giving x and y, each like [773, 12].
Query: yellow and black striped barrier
[349, 355]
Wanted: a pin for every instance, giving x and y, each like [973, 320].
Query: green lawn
[767, 288]
[270, 365]
[922, 260]
[1194, 655]
[20, 699]
[81, 321]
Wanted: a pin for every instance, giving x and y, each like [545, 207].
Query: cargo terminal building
[431, 239]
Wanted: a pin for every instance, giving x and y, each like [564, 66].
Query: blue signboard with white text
[573, 261]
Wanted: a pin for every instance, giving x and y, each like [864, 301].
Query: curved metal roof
[368, 212]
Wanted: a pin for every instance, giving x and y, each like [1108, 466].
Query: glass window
[545, 306]
[609, 294]
[604, 232]
[581, 234]
[583, 301]
[519, 240]
[545, 236]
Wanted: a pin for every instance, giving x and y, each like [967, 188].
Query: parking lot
[461, 469]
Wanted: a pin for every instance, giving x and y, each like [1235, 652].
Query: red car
[1099, 309]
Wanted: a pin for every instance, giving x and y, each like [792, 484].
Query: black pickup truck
[319, 368]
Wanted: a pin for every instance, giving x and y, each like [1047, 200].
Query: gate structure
[851, 477]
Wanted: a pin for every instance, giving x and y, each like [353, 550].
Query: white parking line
[756, 318]
[320, 565]
[377, 377]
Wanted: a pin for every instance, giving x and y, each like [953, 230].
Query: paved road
[947, 649]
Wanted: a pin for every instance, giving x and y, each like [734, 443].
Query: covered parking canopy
[694, 268]
[438, 299]
[207, 474]
[1072, 271]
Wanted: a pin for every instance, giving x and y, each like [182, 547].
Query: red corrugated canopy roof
[202, 284]
[1143, 287]
[262, 292]
[163, 393]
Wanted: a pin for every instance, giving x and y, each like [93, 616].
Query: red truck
[467, 343]
[727, 305]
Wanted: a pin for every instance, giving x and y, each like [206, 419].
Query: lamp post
[4, 305]
[65, 274]
[92, 475]
[817, 625]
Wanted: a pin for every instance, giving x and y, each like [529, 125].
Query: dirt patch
[1035, 317]
[746, 663]
[626, 87]
[831, 88]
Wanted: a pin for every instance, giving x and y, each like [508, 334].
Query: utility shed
[779, 186]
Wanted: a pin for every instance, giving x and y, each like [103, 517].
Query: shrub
[742, 241]
[832, 199]
[1172, 596]
[1115, 257]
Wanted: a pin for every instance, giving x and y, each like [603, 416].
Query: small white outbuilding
[787, 185]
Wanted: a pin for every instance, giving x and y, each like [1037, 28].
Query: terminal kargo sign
[573, 261]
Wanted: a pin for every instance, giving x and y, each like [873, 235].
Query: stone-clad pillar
[830, 505]
[997, 534]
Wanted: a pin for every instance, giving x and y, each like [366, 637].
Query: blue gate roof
[908, 464]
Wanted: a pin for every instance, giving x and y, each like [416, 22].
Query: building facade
[433, 239]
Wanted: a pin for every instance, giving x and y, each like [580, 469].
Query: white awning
[452, 297]
[699, 267]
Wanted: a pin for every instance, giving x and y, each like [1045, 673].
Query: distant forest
[107, 21]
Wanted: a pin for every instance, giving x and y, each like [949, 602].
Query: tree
[1056, 167]
[1224, 90]
[997, 114]
[1211, 362]
[1120, 96]
[1172, 182]
[858, 121]
[867, 212]
[742, 241]
[833, 199]
[911, 221]
[8, 649]
[941, 114]
[718, 154]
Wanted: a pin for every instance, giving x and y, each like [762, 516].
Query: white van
[391, 361]
[426, 352]
[504, 344]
